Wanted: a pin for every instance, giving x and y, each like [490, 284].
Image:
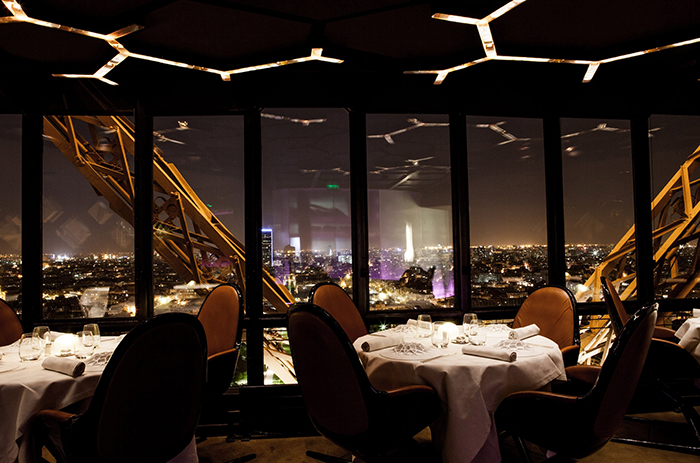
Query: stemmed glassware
[466, 322]
[424, 327]
[93, 328]
[29, 347]
[84, 345]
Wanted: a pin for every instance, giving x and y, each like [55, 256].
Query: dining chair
[10, 326]
[342, 404]
[334, 300]
[575, 426]
[221, 315]
[147, 402]
[618, 313]
[553, 310]
[669, 379]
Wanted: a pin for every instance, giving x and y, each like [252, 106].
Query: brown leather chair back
[221, 316]
[147, 403]
[338, 303]
[616, 310]
[553, 310]
[10, 327]
[330, 374]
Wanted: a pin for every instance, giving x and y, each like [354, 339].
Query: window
[507, 212]
[675, 141]
[88, 237]
[598, 206]
[410, 212]
[10, 208]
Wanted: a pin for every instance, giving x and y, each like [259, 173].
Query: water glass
[424, 327]
[477, 333]
[466, 321]
[440, 337]
[94, 328]
[44, 335]
[29, 347]
[84, 345]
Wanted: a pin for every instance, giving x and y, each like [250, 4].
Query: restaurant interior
[341, 196]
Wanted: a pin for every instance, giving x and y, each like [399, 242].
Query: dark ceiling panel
[185, 30]
[594, 29]
[320, 10]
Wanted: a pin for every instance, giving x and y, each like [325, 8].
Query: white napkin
[524, 332]
[491, 352]
[67, 366]
[696, 313]
[380, 341]
[690, 340]
[412, 322]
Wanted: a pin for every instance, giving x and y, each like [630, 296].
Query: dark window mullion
[460, 212]
[554, 187]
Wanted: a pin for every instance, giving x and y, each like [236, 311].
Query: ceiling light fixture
[18, 15]
[490, 47]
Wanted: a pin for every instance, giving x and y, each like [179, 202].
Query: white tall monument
[409, 254]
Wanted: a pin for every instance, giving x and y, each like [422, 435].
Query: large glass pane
[410, 212]
[88, 238]
[598, 206]
[10, 211]
[507, 210]
[306, 213]
[199, 208]
[675, 149]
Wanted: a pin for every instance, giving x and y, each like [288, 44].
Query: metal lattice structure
[676, 218]
[186, 234]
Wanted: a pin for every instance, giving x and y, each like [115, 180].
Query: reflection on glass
[306, 198]
[88, 239]
[598, 206]
[410, 212]
[507, 209]
[11, 217]
[207, 152]
[675, 150]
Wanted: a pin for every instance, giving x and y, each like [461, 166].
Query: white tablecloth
[689, 336]
[470, 389]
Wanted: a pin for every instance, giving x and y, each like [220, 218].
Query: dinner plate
[8, 367]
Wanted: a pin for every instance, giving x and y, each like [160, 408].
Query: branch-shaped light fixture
[491, 54]
[19, 16]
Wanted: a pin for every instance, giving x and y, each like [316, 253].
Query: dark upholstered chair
[334, 300]
[342, 404]
[221, 316]
[575, 426]
[618, 313]
[10, 327]
[553, 310]
[669, 377]
[147, 403]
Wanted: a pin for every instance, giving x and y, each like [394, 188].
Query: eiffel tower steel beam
[186, 233]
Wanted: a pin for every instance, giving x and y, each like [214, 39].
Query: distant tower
[267, 247]
[409, 254]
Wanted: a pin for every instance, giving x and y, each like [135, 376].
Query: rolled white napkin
[380, 341]
[67, 366]
[491, 352]
[524, 332]
[696, 313]
[412, 322]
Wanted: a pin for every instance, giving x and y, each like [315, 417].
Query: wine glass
[424, 327]
[29, 347]
[477, 333]
[93, 328]
[44, 334]
[441, 335]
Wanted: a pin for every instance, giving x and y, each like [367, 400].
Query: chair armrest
[551, 397]
[570, 355]
[405, 390]
[55, 416]
[661, 332]
[583, 373]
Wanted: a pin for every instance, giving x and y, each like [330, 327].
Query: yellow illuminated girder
[675, 215]
[185, 232]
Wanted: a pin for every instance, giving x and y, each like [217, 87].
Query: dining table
[470, 386]
[688, 335]
[26, 387]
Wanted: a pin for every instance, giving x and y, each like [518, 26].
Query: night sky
[306, 180]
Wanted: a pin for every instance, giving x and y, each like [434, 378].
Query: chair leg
[325, 458]
[243, 459]
[522, 449]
